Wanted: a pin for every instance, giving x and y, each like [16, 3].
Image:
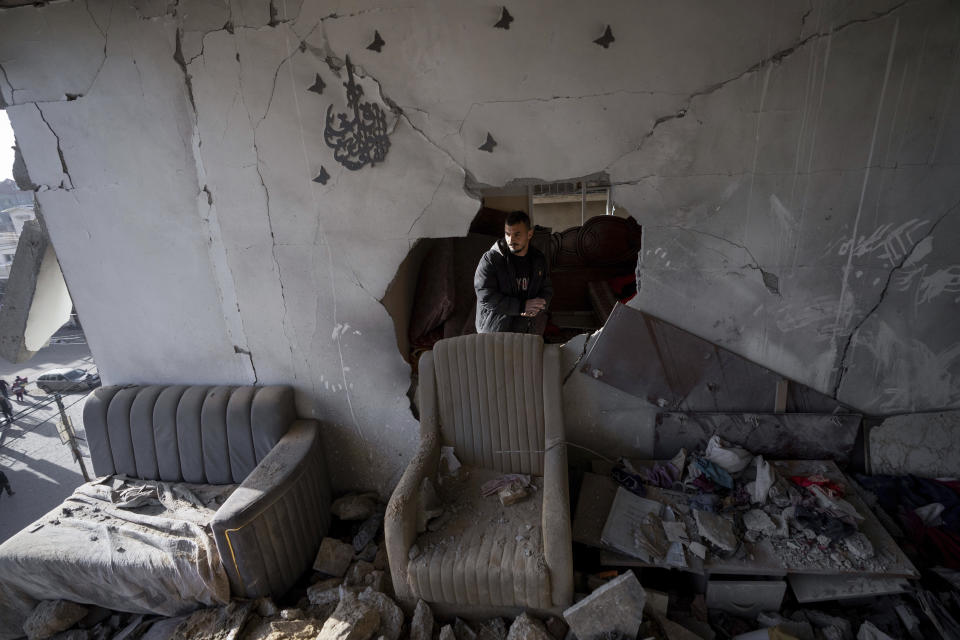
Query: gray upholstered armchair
[496, 399]
[269, 529]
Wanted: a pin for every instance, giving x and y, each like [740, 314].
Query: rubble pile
[720, 502]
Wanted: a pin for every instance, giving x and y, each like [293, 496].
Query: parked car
[67, 381]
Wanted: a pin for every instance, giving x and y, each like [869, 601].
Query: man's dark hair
[516, 217]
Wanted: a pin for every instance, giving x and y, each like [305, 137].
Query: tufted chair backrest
[199, 434]
[489, 395]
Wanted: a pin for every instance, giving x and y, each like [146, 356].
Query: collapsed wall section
[791, 166]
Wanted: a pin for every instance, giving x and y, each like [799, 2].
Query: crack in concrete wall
[852, 336]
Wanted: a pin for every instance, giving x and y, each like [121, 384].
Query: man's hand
[534, 306]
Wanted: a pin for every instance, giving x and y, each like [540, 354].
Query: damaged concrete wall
[178, 151]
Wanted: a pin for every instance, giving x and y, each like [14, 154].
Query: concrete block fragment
[525, 627]
[716, 528]
[368, 531]
[52, 616]
[615, 607]
[224, 623]
[306, 629]
[421, 626]
[333, 558]
[324, 591]
[357, 574]
[391, 616]
[351, 620]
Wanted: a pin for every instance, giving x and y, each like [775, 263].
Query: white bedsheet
[120, 543]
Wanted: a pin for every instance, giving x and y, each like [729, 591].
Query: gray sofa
[156, 444]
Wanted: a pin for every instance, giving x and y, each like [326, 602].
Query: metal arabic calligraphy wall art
[361, 139]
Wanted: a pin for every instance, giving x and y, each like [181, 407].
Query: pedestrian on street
[19, 387]
[4, 388]
[5, 484]
[6, 409]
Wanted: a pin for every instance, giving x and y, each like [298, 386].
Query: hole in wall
[591, 247]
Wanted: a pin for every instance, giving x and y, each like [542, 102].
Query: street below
[41, 470]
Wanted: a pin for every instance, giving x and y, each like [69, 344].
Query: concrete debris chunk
[717, 529]
[219, 623]
[333, 558]
[324, 591]
[291, 614]
[463, 631]
[421, 626]
[354, 506]
[307, 629]
[368, 531]
[859, 545]
[513, 494]
[351, 620]
[496, 629]
[528, 628]
[391, 616]
[615, 607]
[369, 552]
[758, 520]
[357, 573]
[446, 633]
[52, 616]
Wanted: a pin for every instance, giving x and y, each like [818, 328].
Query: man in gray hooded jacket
[513, 282]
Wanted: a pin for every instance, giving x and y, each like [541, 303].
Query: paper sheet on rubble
[144, 544]
[632, 524]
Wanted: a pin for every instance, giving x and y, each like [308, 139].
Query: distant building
[11, 226]
[11, 196]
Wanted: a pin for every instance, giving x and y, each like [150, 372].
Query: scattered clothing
[716, 474]
[820, 481]
[730, 458]
[901, 496]
[493, 486]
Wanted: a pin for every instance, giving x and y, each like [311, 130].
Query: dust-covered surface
[468, 515]
[140, 546]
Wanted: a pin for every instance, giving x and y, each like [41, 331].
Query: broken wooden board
[819, 588]
[797, 436]
[674, 369]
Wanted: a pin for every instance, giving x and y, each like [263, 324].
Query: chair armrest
[400, 520]
[269, 530]
[557, 536]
